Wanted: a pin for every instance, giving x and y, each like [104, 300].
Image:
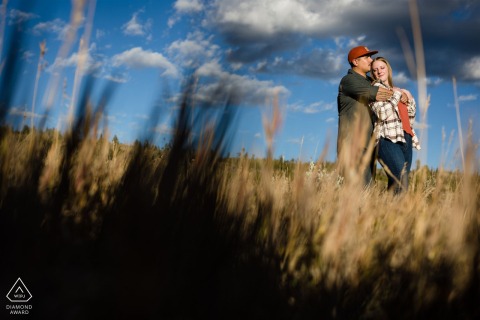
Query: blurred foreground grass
[98, 229]
[101, 229]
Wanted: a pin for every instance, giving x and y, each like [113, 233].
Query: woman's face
[380, 70]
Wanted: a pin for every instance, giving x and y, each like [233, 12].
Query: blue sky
[293, 49]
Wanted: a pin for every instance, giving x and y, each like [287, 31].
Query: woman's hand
[409, 95]
[404, 98]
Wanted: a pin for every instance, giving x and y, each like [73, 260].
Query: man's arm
[385, 94]
[359, 90]
[364, 91]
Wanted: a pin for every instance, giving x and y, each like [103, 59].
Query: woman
[394, 127]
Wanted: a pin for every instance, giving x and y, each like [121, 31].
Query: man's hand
[383, 94]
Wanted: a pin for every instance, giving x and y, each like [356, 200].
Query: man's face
[363, 63]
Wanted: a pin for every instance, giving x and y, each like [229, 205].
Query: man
[355, 119]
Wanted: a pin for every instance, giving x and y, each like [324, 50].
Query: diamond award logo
[19, 292]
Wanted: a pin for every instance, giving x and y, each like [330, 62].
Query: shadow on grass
[166, 249]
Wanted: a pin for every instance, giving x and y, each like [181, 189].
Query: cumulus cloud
[91, 65]
[259, 30]
[140, 58]
[188, 6]
[185, 7]
[248, 90]
[322, 63]
[271, 17]
[400, 78]
[57, 26]
[194, 50]
[471, 69]
[135, 27]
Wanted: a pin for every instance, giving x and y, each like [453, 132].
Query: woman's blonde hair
[389, 68]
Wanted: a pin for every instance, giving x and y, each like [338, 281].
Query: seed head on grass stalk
[271, 125]
[40, 67]
[76, 18]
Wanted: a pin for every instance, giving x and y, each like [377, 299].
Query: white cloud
[72, 61]
[134, 26]
[139, 58]
[249, 90]
[17, 16]
[325, 63]
[57, 26]
[470, 97]
[298, 141]
[270, 17]
[193, 50]
[184, 7]
[347, 42]
[99, 34]
[277, 60]
[188, 6]
[400, 78]
[257, 30]
[261, 65]
[421, 125]
[434, 81]
[164, 129]
[471, 68]
[28, 55]
[24, 113]
[116, 78]
[236, 66]
[91, 65]
[312, 108]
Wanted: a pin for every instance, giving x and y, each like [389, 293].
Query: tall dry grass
[98, 229]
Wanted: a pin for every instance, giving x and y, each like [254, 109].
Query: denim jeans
[398, 158]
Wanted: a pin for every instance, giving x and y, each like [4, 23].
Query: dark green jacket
[355, 92]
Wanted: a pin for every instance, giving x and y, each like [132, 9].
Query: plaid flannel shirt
[388, 124]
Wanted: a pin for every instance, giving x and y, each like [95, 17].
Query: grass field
[99, 229]
[102, 229]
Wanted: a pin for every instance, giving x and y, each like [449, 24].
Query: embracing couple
[373, 108]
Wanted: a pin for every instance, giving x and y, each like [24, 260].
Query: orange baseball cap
[358, 52]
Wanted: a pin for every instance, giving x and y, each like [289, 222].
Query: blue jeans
[398, 158]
